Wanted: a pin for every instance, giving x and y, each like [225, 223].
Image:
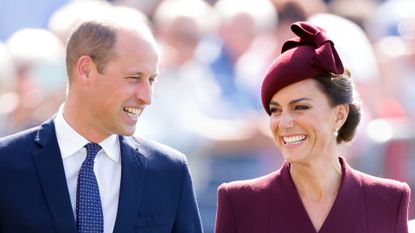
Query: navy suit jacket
[156, 193]
[271, 204]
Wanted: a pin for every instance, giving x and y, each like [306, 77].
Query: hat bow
[325, 55]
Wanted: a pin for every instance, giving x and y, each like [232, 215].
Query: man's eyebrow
[141, 73]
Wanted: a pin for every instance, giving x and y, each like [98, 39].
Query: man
[133, 185]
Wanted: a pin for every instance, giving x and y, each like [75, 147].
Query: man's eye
[152, 80]
[133, 78]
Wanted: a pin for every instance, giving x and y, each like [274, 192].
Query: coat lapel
[133, 164]
[48, 162]
[288, 214]
[348, 213]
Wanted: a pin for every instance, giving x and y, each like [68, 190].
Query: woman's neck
[317, 180]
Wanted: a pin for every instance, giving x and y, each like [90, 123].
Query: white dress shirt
[107, 167]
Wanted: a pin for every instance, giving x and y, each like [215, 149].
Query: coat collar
[347, 214]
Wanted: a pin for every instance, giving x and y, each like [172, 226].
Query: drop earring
[336, 132]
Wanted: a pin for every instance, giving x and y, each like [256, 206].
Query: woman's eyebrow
[275, 103]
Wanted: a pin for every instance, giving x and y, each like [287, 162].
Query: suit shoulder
[159, 151]
[15, 149]
[19, 138]
[255, 185]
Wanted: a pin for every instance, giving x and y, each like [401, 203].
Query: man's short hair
[94, 39]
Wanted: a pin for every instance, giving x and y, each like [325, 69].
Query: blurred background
[213, 58]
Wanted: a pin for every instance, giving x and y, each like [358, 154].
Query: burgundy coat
[271, 204]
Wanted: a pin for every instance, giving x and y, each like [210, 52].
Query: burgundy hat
[306, 56]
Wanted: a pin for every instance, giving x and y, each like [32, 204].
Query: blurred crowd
[213, 56]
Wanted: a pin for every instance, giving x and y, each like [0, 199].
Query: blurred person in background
[7, 69]
[314, 108]
[186, 90]
[8, 98]
[235, 134]
[39, 84]
[392, 31]
[140, 185]
[290, 11]
[20, 14]
[183, 81]
[357, 11]
[66, 17]
[148, 7]
[239, 52]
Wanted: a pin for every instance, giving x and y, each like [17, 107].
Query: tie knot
[92, 150]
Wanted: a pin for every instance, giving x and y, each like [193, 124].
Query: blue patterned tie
[88, 202]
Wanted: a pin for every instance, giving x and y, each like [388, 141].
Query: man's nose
[145, 92]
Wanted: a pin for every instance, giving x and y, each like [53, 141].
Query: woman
[310, 99]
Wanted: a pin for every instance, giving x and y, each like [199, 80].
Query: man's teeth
[294, 139]
[134, 112]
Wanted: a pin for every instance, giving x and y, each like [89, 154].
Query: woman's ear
[342, 111]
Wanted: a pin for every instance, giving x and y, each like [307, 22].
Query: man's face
[118, 96]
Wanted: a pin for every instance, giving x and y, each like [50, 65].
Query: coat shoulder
[384, 197]
[251, 186]
[387, 203]
[381, 185]
[246, 202]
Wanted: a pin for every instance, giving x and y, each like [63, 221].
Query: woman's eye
[301, 107]
[274, 110]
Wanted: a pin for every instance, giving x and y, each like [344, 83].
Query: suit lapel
[51, 173]
[133, 164]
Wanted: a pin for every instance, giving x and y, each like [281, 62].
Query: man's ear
[84, 67]
[342, 111]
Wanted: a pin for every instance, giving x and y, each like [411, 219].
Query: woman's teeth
[294, 139]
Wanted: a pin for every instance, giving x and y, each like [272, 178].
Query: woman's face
[303, 122]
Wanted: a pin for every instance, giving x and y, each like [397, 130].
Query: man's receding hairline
[136, 26]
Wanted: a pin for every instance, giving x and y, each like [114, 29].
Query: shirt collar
[71, 141]
[111, 146]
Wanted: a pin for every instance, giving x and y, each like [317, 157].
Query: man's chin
[128, 131]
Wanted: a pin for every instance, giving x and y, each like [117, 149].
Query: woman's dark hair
[340, 90]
